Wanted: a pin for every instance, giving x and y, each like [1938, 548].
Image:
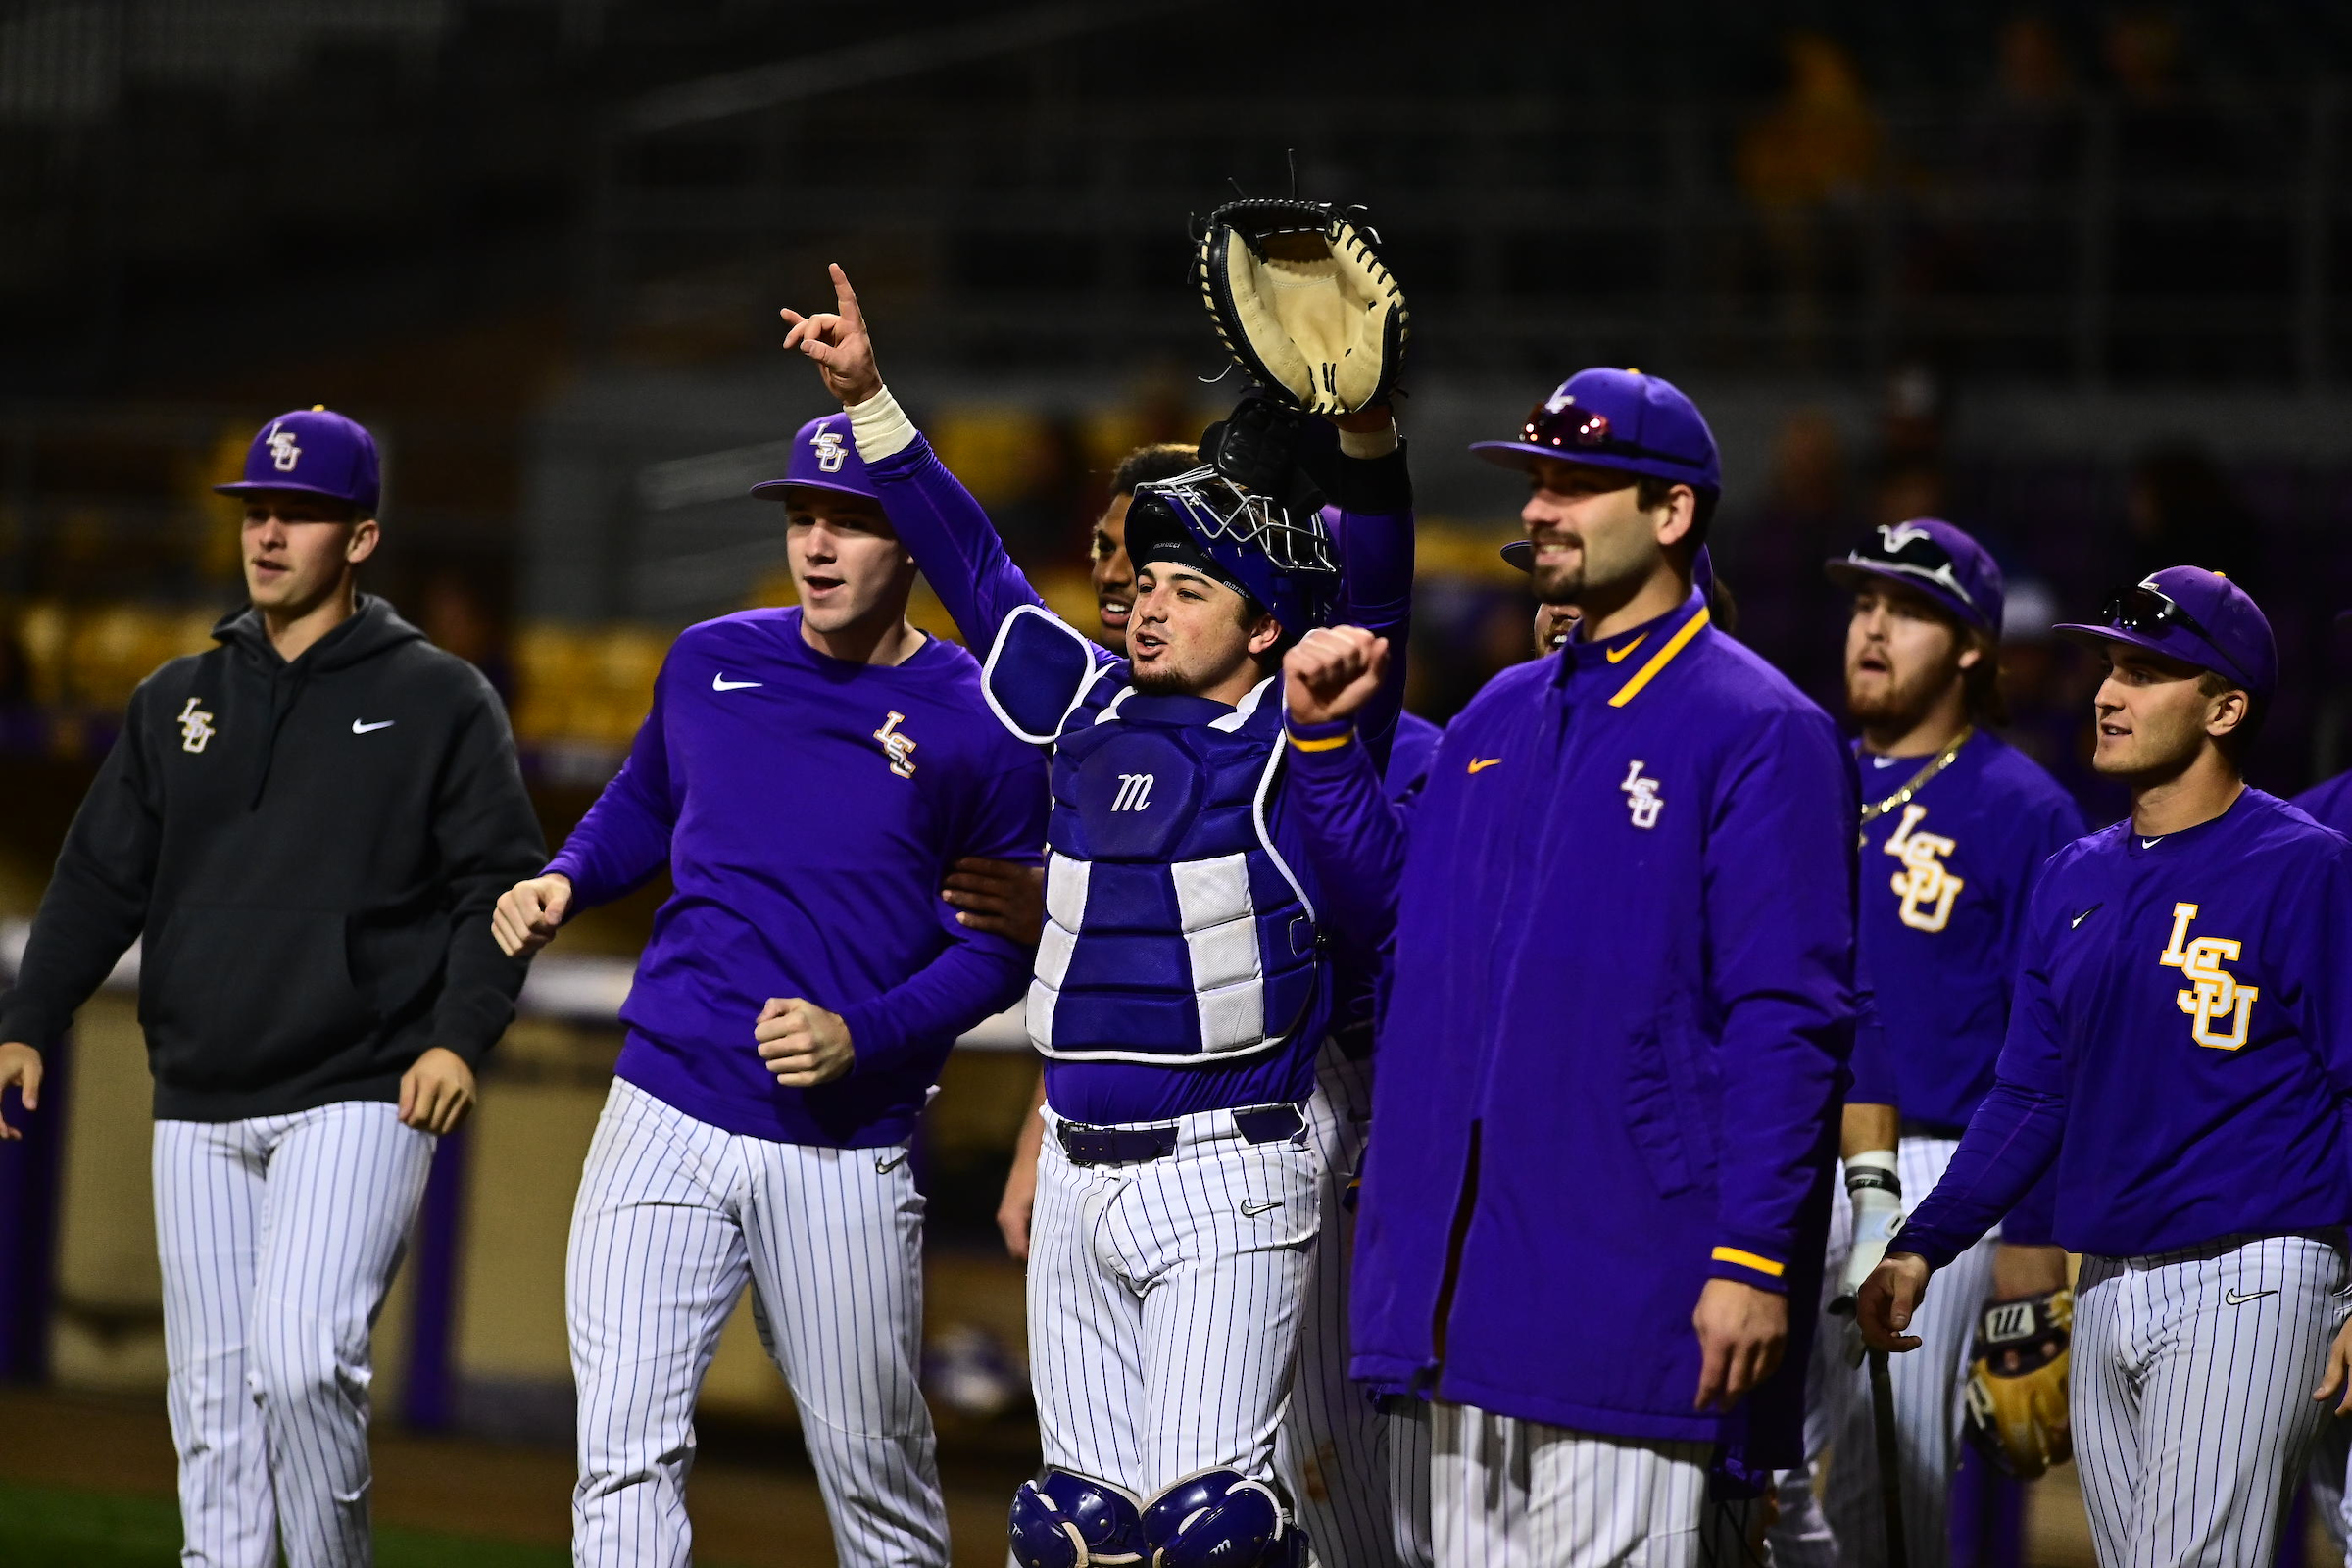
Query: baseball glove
[1303, 303]
[2017, 1411]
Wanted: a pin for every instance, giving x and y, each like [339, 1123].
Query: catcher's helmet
[1281, 558]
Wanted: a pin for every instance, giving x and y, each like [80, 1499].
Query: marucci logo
[1135, 792]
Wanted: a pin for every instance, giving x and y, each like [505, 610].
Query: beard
[1896, 700]
[1163, 681]
[1559, 585]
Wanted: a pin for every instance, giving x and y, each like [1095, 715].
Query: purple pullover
[1621, 1003]
[808, 810]
[2181, 1048]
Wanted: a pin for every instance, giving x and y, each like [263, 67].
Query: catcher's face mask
[1279, 558]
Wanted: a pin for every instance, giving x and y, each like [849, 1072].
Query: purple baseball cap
[2198, 616]
[314, 451]
[1937, 560]
[1616, 419]
[825, 457]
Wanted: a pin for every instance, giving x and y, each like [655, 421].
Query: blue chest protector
[1175, 932]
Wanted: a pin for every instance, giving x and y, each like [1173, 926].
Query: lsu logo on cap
[1926, 887]
[830, 453]
[2214, 996]
[283, 453]
[899, 748]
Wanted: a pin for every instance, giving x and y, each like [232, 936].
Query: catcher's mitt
[1303, 302]
[2017, 1410]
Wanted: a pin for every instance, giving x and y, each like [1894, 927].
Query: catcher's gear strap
[2017, 1409]
[1303, 303]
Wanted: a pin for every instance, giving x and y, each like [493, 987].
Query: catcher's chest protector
[1174, 930]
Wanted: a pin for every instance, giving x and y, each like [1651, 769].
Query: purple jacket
[1615, 1044]
[808, 810]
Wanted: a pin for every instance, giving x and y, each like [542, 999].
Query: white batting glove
[1877, 1195]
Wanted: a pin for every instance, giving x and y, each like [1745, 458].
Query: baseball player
[1619, 1013]
[1330, 1447]
[982, 892]
[1966, 821]
[2180, 1048]
[1180, 994]
[807, 775]
[307, 825]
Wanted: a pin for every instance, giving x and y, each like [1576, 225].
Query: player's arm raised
[1354, 836]
[947, 531]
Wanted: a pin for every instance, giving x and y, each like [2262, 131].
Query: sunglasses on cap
[1568, 429]
[2147, 610]
[1914, 553]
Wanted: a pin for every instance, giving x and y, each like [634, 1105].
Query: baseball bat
[1891, 1474]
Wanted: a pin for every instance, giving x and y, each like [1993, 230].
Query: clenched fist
[803, 1044]
[1332, 672]
[528, 914]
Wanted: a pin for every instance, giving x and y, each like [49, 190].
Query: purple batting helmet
[1617, 420]
[1933, 559]
[2198, 616]
[825, 457]
[317, 452]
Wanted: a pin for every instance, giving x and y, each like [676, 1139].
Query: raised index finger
[846, 298]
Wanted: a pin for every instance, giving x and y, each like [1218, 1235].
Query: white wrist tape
[880, 426]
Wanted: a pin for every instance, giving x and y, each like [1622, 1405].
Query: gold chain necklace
[1919, 780]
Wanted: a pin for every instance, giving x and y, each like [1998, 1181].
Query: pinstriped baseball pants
[2191, 1389]
[278, 1236]
[1334, 1444]
[674, 1216]
[1164, 1304]
[1511, 1493]
[1846, 1527]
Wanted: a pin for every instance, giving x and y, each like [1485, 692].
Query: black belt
[1137, 1145]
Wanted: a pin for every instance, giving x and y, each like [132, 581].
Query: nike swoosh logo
[2236, 1297]
[883, 1167]
[1483, 761]
[1617, 654]
[358, 728]
[2149, 843]
[1251, 1210]
[720, 683]
[2086, 914]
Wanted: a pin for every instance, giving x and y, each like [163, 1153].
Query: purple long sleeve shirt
[964, 560]
[2180, 1046]
[1619, 1014]
[808, 810]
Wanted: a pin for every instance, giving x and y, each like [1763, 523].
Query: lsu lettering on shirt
[1945, 876]
[2187, 998]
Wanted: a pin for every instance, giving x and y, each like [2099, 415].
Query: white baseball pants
[1334, 1444]
[280, 1236]
[673, 1217]
[1166, 1299]
[2191, 1394]
[1512, 1493]
[1846, 1528]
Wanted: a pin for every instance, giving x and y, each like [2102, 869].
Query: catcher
[1183, 986]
